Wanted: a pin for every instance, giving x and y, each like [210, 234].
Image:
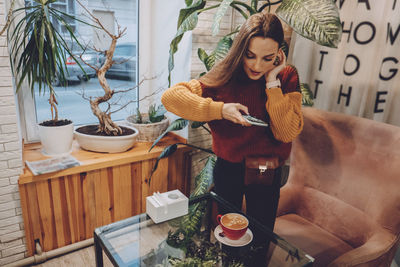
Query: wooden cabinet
[64, 207]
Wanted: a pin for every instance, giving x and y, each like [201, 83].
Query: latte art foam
[234, 221]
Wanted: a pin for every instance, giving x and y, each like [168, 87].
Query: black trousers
[261, 200]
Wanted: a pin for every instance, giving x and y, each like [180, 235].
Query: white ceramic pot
[109, 144]
[56, 140]
[148, 132]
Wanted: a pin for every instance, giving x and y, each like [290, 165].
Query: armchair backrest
[347, 170]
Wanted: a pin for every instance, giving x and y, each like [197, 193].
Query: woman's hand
[272, 75]
[231, 111]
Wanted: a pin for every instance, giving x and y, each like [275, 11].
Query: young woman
[252, 79]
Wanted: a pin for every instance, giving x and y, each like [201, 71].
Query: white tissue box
[166, 206]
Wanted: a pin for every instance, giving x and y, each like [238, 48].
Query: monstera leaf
[316, 20]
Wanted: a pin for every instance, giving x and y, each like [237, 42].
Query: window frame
[26, 101]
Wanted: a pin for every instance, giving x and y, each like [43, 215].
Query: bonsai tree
[39, 51]
[106, 125]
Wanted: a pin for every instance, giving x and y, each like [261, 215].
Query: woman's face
[259, 57]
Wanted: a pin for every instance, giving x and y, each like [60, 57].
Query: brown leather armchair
[341, 203]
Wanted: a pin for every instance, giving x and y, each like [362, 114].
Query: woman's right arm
[185, 100]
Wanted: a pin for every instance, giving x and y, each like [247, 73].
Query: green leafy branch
[176, 125]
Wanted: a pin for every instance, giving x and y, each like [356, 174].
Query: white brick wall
[12, 247]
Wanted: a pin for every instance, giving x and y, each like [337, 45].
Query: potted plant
[38, 54]
[150, 124]
[106, 136]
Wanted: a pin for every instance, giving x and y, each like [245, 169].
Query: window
[121, 76]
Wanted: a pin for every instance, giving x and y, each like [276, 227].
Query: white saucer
[244, 240]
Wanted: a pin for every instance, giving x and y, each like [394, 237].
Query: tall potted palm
[38, 53]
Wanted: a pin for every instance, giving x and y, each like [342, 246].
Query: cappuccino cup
[234, 225]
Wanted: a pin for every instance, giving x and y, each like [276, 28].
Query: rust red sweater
[232, 142]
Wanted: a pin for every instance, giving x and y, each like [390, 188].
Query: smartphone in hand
[255, 121]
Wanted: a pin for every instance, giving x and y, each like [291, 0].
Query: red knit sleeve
[289, 78]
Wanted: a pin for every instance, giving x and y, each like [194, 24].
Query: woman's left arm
[284, 105]
[286, 118]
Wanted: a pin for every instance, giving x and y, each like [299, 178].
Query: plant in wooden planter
[38, 53]
[107, 136]
[150, 124]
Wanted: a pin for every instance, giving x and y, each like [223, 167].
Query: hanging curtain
[362, 76]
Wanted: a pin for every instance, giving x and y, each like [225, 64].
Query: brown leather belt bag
[260, 169]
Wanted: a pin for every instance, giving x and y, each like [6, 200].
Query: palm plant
[39, 50]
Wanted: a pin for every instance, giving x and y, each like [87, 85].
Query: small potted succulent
[150, 124]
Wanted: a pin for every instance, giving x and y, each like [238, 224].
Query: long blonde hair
[260, 24]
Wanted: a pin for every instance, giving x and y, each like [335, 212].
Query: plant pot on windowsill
[89, 140]
[148, 131]
[56, 137]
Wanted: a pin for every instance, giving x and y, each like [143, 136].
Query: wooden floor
[84, 257]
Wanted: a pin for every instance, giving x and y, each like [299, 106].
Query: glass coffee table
[193, 240]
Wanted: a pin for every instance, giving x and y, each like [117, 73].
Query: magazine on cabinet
[52, 164]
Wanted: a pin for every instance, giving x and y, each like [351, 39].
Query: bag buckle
[262, 168]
